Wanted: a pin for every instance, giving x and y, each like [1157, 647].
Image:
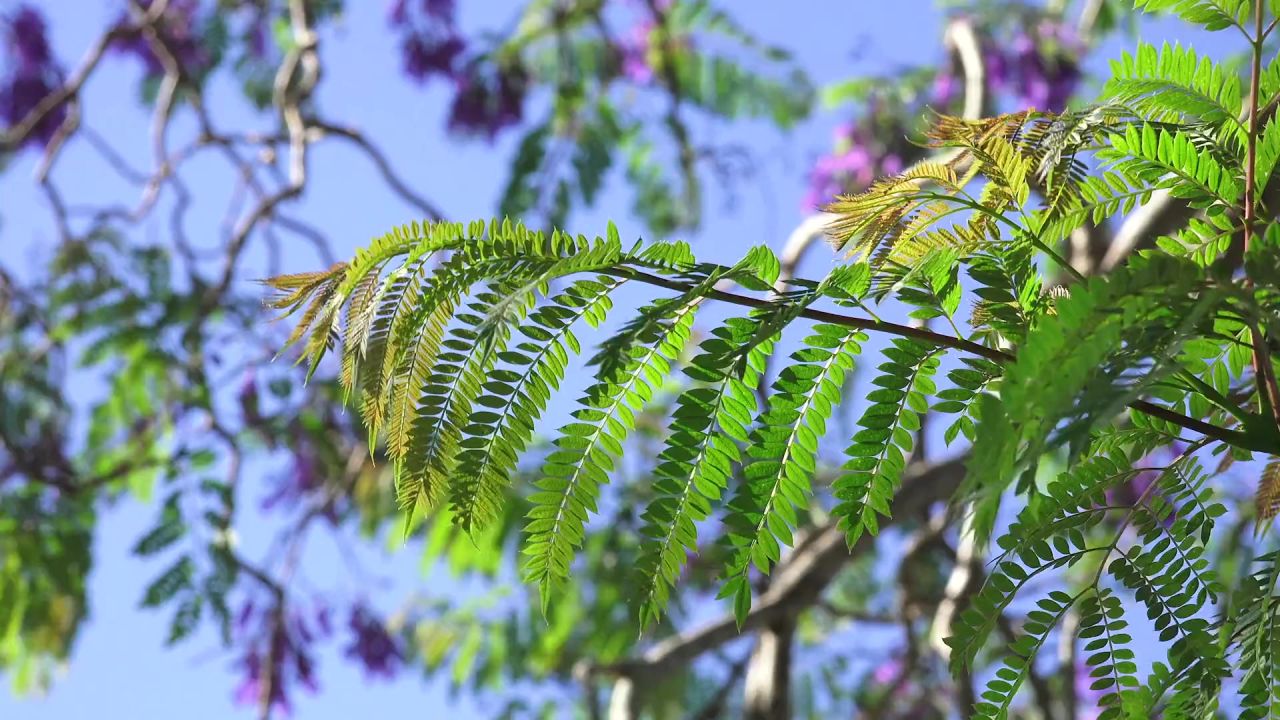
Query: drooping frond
[586, 449]
[1164, 568]
[1037, 629]
[1070, 507]
[502, 424]
[455, 337]
[1257, 634]
[710, 423]
[882, 446]
[1110, 657]
[783, 449]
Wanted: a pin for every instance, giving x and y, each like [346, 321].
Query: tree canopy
[1013, 451]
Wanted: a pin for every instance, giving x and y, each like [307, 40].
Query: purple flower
[891, 164]
[399, 14]
[1046, 64]
[442, 10]
[249, 692]
[181, 32]
[846, 170]
[1138, 490]
[995, 67]
[20, 95]
[430, 44]
[245, 616]
[635, 48]
[247, 396]
[256, 38]
[425, 56]
[32, 74]
[887, 671]
[944, 88]
[486, 105]
[439, 9]
[1131, 492]
[289, 662]
[28, 42]
[372, 645]
[322, 620]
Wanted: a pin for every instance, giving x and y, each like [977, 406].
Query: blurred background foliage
[135, 353]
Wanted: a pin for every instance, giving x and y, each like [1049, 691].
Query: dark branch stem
[1207, 429]
[1268, 390]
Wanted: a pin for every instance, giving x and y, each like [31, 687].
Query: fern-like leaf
[582, 460]
[783, 451]
[882, 446]
[702, 450]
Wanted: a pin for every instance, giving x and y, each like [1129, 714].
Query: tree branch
[1207, 429]
[798, 582]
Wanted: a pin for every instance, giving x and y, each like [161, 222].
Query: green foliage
[783, 452]
[41, 609]
[1079, 369]
[882, 447]
[1256, 630]
[709, 422]
[1212, 14]
[1113, 672]
[1174, 85]
[1171, 350]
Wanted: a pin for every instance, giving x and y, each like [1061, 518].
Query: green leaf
[169, 583]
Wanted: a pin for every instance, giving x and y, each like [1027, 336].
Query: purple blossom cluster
[280, 658]
[310, 471]
[302, 479]
[638, 51]
[1136, 489]
[281, 645]
[30, 73]
[371, 645]
[1040, 66]
[871, 148]
[635, 52]
[489, 101]
[181, 30]
[488, 97]
[430, 44]
[248, 398]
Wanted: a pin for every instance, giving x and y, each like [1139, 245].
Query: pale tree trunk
[767, 691]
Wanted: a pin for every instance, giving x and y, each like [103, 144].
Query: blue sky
[120, 668]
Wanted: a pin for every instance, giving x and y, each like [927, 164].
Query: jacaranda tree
[1014, 453]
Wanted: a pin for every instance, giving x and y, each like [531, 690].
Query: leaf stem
[1018, 229]
[1264, 375]
[1147, 408]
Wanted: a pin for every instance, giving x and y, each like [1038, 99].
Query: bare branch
[399, 186]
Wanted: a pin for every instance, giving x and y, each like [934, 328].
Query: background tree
[134, 359]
